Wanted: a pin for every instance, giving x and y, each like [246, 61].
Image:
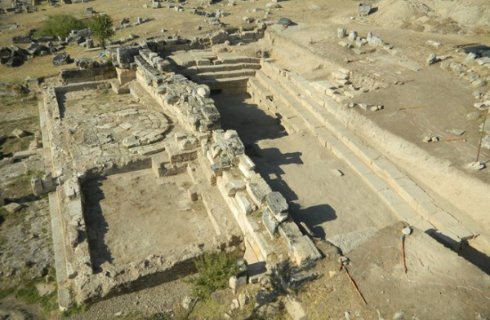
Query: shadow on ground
[253, 125]
[97, 226]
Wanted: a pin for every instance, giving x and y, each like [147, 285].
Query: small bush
[214, 271]
[101, 26]
[61, 25]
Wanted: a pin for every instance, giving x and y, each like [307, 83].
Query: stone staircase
[304, 106]
[220, 71]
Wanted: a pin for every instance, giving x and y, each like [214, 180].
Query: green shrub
[101, 26]
[60, 25]
[214, 272]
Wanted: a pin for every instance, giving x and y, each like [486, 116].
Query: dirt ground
[148, 221]
[438, 284]
[142, 304]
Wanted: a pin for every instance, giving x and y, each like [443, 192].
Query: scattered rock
[12, 207]
[479, 83]
[19, 133]
[364, 9]
[398, 316]
[352, 36]
[476, 166]
[294, 309]
[243, 299]
[236, 283]
[472, 116]
[285, 22]
[432, 59]
[234, 304]
[341, 33]
[433, 43]
[482, 105]
[62, 59]
[187, 302]
[428, 139]
[376, 108]
[407, 231]
[45, 289]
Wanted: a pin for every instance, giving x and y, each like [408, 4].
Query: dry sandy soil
[148, 221]
[431, 101]
[437, 285]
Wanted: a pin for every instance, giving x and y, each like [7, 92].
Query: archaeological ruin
[306, 151]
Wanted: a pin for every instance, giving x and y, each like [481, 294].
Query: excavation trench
[328, 195]
[304, 172]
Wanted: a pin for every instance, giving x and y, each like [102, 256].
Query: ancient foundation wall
[261, 213]
[84, 75]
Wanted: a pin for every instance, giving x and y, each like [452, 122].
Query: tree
[101, 26]
[60, 25]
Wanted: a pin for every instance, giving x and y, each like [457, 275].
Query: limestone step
[223, 74]
[262, 96]
[233, 83]
[415, 196]
[227, 58]
[221, 67]
[367, 161]
[331, 141]
[286, 98]
[339, 149]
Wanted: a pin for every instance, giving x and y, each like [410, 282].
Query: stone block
[289, 230]
[36, 186]
[71, 189]
[176, 155]
[233, 186]
[270, 223]
[246, 165]
[19, 133]
[277, 204]
[302, 249]
[257, 189]
[294, 309]
[158, 163]
[244, 203]
[12, 207]
[125, 75]
[235, 283]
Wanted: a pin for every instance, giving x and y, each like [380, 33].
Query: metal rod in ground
[481, 137]
[403, 254]
[355, 285]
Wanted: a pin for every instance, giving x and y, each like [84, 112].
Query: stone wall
[261, 213]
[83, 75]
[188, 101]
[125, 55]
